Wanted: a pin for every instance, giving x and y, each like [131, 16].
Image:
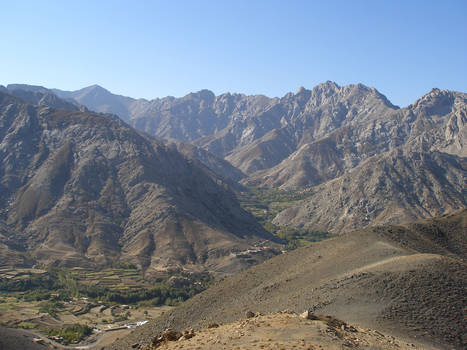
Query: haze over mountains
[358, 158]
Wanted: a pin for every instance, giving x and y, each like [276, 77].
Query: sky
[156, 48]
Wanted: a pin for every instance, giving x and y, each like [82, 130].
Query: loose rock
[249, 314]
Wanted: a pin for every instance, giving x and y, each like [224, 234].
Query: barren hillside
[384, 278]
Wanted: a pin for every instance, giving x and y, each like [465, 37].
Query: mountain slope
[99, 100]
[396, 187]
[220, 166]
[40, 96]
[18, 339]
[187, 118]
[436, 122]
[407, 164]
[86, 189]
[228, 121]
[385, 278]
[307, 116]
[316, 140]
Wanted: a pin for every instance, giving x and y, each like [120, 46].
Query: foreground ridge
[405, 281]
[282, 330]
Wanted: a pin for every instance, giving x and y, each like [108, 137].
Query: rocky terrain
[81, 188]
[284, 330]
[217, 164]
[85, 189]
[399, 186]
[385, 164]
[244, 127]
[405, 281]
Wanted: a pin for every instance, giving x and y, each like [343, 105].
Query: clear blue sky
[157, 48]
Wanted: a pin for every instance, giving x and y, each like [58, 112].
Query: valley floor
[106, 328]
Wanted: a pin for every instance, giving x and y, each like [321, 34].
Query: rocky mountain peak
[307, 138]
[204, 94]
[436, 102]
[301, 90]
[327, 88]
[95, 91]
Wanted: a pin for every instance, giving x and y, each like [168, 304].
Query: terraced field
[114, 278]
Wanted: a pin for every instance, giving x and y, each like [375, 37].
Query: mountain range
[91, 179]
[85, 189]
[356, 157]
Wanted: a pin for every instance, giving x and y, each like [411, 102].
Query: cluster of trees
[70, 334]
[264, 204]
[296, 238]
[269, 195]
[33, 281]
[55, 284]
[58, 285]
[160, 294]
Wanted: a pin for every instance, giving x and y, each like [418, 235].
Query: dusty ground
[403, 283]
[18, 339]
[287, 331]
[102, 339]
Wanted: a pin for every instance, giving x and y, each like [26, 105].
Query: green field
[265, 204]
[112, 285]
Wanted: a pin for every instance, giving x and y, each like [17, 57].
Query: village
[70, 322]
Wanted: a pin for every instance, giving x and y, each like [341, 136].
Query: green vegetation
[50, 307]
[161, 293]
[56, 285]
[297, 238]
[70, 334]
[26, 325]
[265, 204]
